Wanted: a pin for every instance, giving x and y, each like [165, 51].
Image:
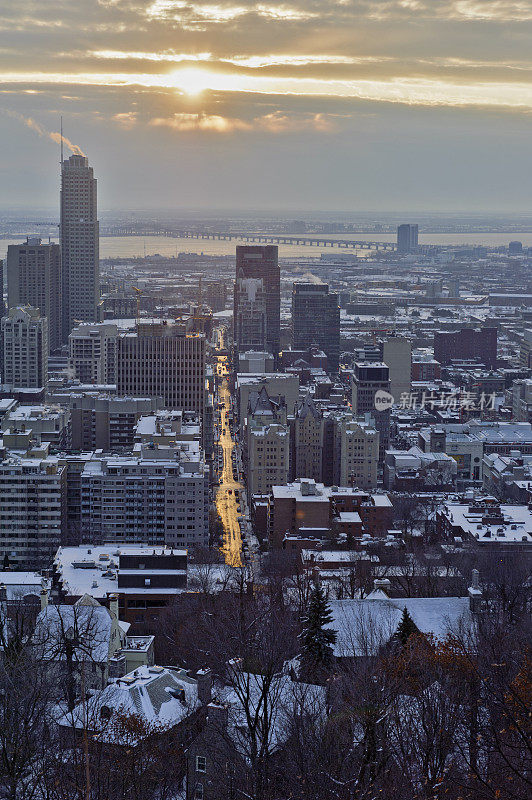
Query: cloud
[127, 119]
[185, 123]
[275, 122]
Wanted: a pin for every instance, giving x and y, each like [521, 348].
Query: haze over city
[310, 105]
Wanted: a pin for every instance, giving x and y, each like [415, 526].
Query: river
[130, 246]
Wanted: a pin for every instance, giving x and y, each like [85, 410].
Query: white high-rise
[92, 352]
[79, 234]
[24, 337]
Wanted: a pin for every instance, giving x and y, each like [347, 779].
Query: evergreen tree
[316, 640]
[406, 628]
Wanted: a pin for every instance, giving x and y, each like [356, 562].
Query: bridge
[313, 240]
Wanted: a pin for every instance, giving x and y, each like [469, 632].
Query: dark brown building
[262, 262]
[466, 343]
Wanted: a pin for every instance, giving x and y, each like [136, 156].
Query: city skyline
[325, 104]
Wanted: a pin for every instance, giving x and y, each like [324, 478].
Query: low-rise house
[79, 640]
[248, 725]
[364, 627]
[159, 698]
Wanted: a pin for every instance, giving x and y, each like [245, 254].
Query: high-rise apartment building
[104, 422]
[263, 262]
[250, 315]
[357, 444]
[79, 236]
[33, 509]
[34, 279]
[24, 339]
[407, 238]
[160, 360]
[92, 352]
[156, 496]
[316, 321]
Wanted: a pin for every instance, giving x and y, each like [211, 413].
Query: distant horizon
[339, 215]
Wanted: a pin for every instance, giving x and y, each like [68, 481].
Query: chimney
[204, 679]
[44, 598]
[475, 593]
[217, 716]
[113, 605]
[234, 668]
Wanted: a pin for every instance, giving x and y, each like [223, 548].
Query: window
[201, 764]
[198, 792]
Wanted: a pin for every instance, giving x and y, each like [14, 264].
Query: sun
[193, 80]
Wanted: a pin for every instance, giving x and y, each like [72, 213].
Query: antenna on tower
[61, 133]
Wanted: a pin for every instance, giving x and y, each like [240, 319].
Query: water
[130, 246]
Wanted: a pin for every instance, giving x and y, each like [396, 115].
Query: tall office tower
[92, 352]
[316, 321]
[159, 360]
[262, 262]
[34, 279]
[79, 235]
[368, 379]
[407, 238]
[24, 335]
[250, 315]
[397, 355]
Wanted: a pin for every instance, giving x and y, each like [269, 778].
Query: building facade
[79, 237]
[34, 279]
[92, 353]
[467, 343]
[154, 497]
[24, 335]
[263, 262]
[250, 315]
[160, 360]
[32, 511]
[316, 321]
[407, 238]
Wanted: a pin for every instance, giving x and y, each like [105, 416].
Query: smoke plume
[41, 131]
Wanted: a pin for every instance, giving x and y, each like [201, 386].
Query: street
[226, 500]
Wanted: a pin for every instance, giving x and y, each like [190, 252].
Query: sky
[281, 106]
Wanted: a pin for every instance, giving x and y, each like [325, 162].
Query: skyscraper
[79, 234]
[407, 238]
[34, 279]
[316, 320]
[250, 315]
[262, 262]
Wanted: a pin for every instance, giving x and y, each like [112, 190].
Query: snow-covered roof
[161, 697]
[88, 624]
[363, 626]
[283, 698]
